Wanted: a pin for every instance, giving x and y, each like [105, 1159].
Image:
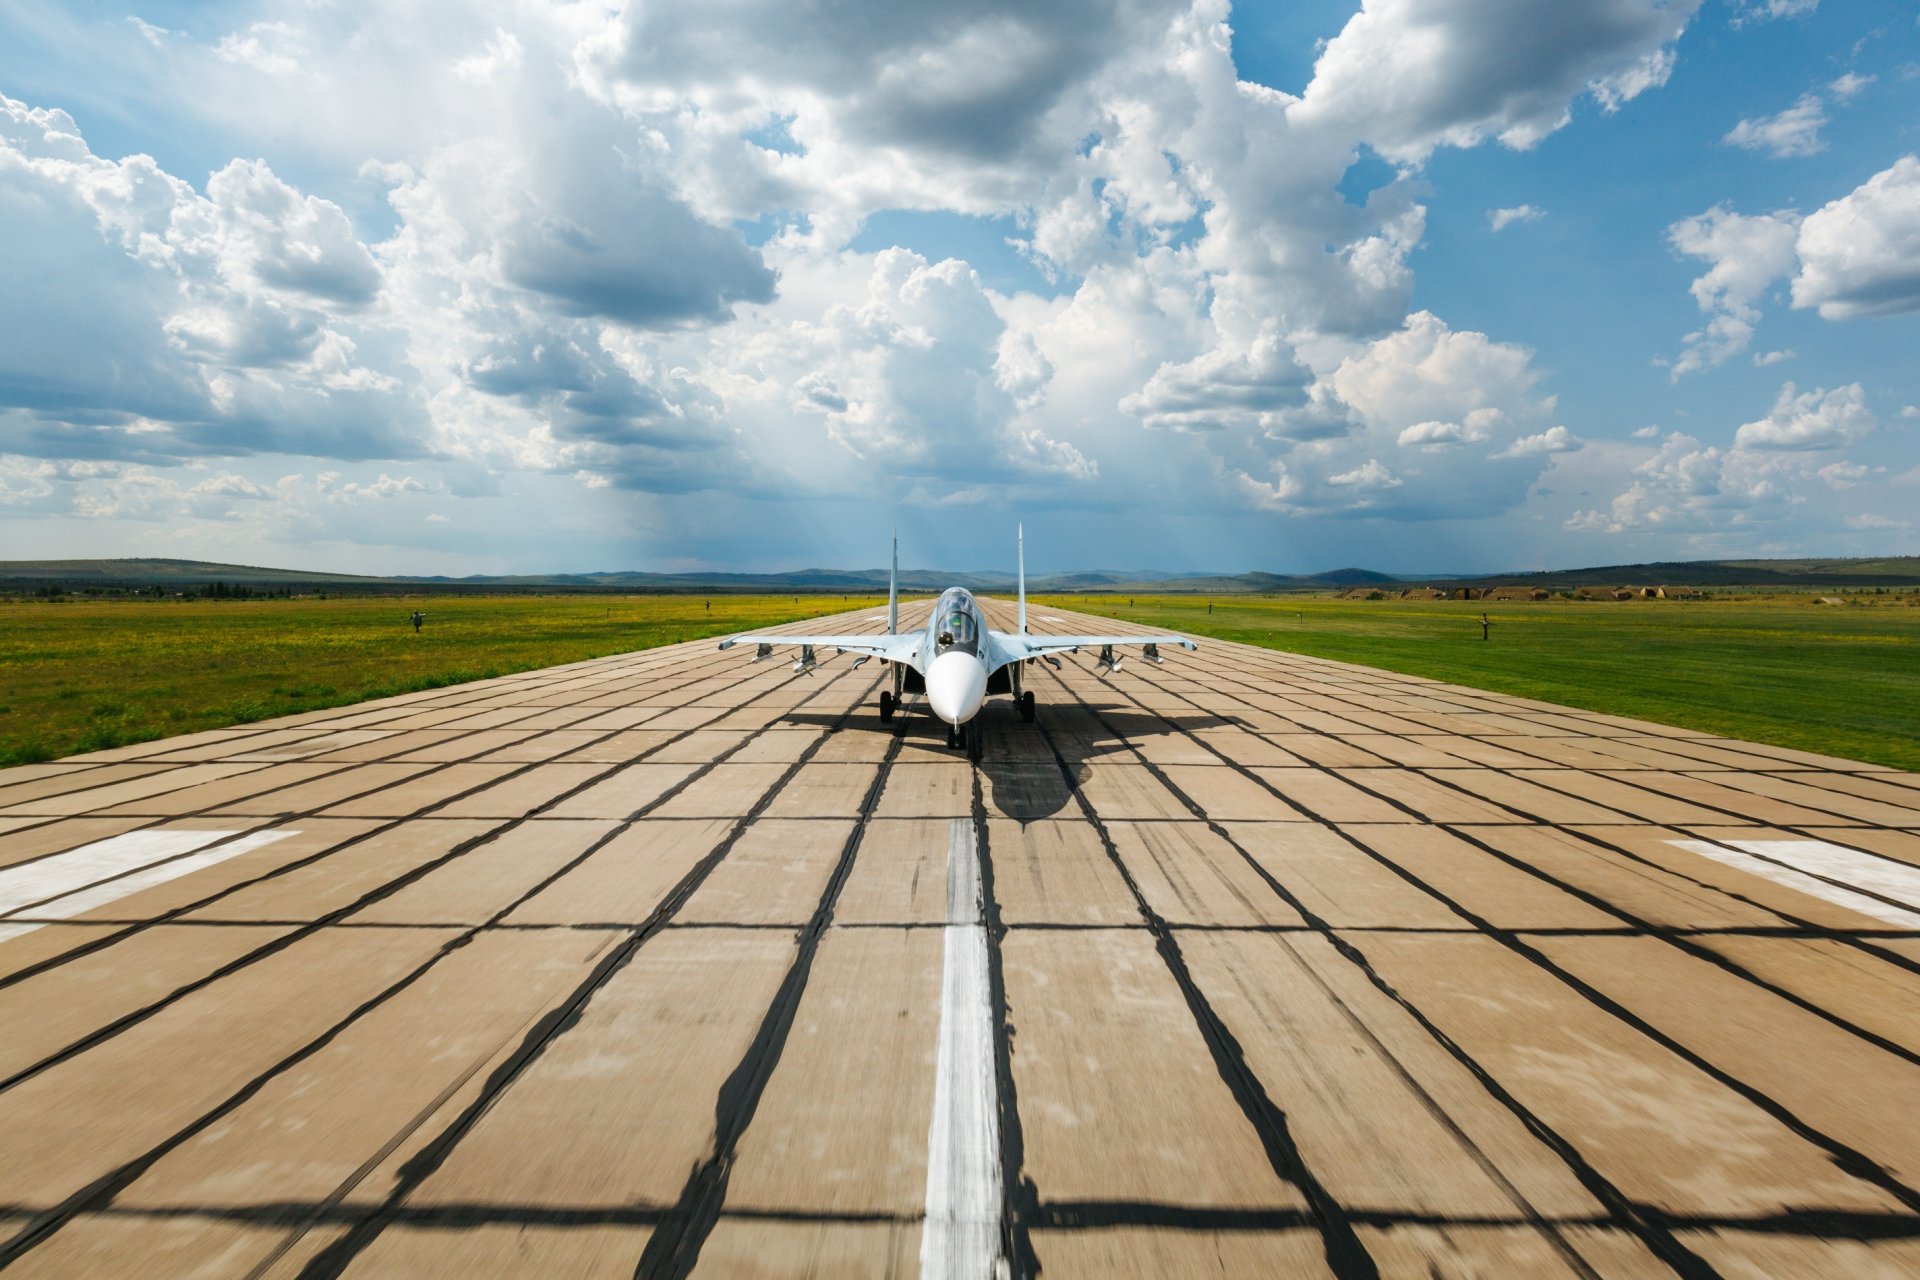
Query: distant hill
[196, 575]
[1884, 571]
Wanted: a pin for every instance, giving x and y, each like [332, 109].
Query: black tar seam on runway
[337, 1257]
[103, 1189]
[674, 1249]
[1346, 1256]
[1848, 1159]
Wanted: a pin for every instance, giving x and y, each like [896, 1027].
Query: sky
[1424, 286]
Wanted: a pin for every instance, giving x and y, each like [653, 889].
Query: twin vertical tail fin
[893, 589]
[1020, 542]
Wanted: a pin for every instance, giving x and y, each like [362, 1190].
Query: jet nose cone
[956, 686]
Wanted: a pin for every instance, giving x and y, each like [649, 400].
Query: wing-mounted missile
[806, 662]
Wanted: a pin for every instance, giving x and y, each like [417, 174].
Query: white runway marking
[95, 874]
[961, 1236]
[1050, 620]
[1800, 864]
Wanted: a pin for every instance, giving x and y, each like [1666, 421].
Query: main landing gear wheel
[1026, 706]
[886, 706]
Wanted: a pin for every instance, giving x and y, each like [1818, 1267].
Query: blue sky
[1418, 285]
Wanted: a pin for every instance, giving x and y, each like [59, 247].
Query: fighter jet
[957, 660]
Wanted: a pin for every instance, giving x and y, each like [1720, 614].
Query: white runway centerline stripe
[95, 874]
[961, 1236]
[1810, 866]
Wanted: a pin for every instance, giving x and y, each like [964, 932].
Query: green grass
[1843, 680]
[84, 676]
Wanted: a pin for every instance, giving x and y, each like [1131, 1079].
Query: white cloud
[1457, 413]
[1761, 10]
[1819, 419]
[1225, 388]
[1780, 473]
[1501, 219]
[1747, 254]
[1406, 77]
[154, 35]
[1844, 475]
[1368, 475]
[502, 54]
[558, 299]
[386, 486]
[272, 48]
[1860, 254]
[160, 322]
[1793, 132]
[1552, 440]
[1850, 85]
[1439, 435]
[1766, 359]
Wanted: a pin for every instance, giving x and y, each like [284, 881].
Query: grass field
[1844, 680]
[79, 676]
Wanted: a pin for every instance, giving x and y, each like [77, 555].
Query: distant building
[1464, 593]
[1515, 593]
[1679, 593]
[1423, 593]
[1364, 593]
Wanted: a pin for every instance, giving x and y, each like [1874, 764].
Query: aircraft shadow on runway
[1023, 776]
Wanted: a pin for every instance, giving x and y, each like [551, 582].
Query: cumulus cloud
[1552, 440]
[630, 253]
[1440, 435]
[1793, 132]
[1746, 254]
[1856, 256]
[1225, 388]
[1367, 476]
[1819, 419]
[1436, 423]
[919, 386]
[1860, 254]
[351, 493]
[1407, 77]
[1501, 219]
[148, 320]
[1777, 468]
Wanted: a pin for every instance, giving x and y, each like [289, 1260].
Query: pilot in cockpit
[957, 630]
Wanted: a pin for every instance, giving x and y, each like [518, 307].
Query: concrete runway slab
[675, 963]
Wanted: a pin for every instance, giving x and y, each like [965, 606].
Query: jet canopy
[956, 625]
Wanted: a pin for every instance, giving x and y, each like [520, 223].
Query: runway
[672, 963]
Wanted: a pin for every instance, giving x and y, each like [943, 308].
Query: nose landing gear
[967, 735]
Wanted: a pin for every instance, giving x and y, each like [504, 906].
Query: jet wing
[1017, 647]
[903, 647]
